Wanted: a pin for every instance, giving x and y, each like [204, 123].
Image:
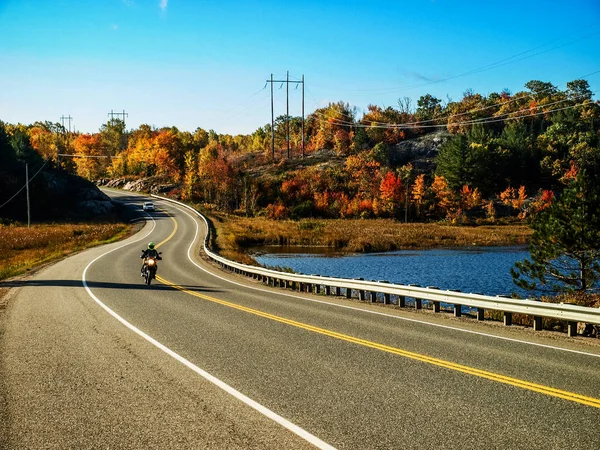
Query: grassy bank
[23, 248]
[234, 234]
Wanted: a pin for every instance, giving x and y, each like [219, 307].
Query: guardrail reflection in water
[386, 292]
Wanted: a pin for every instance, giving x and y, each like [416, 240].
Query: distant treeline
[504, 154]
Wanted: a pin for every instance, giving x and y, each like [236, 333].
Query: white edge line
[353, 308]
[207, 376]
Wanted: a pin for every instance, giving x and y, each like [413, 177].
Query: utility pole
[62, 121]
[287, 111]
[113, 114]
[65, 135]
[272, 124]
[27, 189]
[287, 81]
[303, 115]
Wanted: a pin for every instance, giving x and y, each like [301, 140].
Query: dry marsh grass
[234, 234]
[24, 248]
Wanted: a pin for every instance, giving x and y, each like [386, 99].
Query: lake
[484, 270]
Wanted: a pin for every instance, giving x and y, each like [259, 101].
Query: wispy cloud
[114, 26]
[164, 4]
[420, 76]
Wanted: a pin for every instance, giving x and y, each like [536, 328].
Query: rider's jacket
[153, 253]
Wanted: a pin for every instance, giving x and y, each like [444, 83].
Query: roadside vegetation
[235, 234]
[25, 248]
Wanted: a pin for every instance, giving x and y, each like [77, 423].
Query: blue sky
[204, 64]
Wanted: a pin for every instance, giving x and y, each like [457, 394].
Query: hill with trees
[476, 159]
[55, 194]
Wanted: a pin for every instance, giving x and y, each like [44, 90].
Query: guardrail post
[537, 323]
[361, 294]
[348, 293]
[401, 301]
[457, 310]
[480, 313]
[386, 299]
[317, 288]
[418, 303]
[373, 297]
[571, 329]
[507, 318]
[338, 291]
[436, 306]
[327, 290]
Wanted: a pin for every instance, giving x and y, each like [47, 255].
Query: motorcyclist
[150, 252]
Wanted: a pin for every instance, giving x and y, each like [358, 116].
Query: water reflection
[484, 270]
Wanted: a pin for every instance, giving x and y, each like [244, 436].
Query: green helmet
[151, 246]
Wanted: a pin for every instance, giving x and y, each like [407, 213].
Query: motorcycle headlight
[151, 262]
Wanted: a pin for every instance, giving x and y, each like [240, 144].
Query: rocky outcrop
[421, 152]
[152, 185]
[94, 202]
[72, 196]
[53, 195]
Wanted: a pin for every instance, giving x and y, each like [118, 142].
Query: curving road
[92, 358]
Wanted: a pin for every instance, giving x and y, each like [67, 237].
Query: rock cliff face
[421, 152]
[154, 185]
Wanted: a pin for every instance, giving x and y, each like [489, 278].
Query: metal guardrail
[572, 314]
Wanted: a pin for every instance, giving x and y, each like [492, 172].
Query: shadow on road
[102, 285]
[130, 207]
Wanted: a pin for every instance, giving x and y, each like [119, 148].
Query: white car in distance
[148, 206]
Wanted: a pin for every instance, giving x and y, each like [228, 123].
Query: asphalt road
[90, 357]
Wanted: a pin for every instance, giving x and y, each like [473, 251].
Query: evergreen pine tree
[565, 254]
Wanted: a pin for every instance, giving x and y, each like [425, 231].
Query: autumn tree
[113, 137]
[445, 199]
[90, 160]
[418, 192]
[428, 107]
[190, 179]
[391, 192]
[331, 127]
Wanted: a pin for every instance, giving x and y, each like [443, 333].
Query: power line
[509, 60]
[87, 156]
[376, 124]
[25, 185]
[483, 120]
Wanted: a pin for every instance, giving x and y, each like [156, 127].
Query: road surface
[90, 357]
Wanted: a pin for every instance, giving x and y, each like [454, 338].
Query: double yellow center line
[565, 395]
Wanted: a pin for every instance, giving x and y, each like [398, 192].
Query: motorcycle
[150, 268]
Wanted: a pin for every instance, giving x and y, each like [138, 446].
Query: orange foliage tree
[444, 197]
[390, 193]
[90, 161]
[418, 192]
[515, 199]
